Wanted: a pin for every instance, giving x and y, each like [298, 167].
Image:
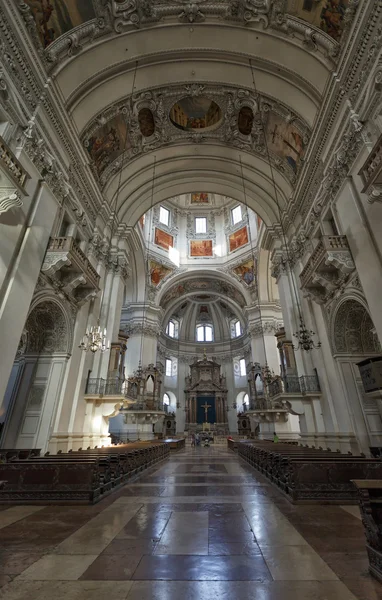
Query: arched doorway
[354, 340]
[34, 387]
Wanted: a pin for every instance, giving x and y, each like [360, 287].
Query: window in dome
[164, 216]
[236, 329]
[204, 333]
[243, 370]
[200, 225]
[237, 215]
[172, 328]
[168, 367]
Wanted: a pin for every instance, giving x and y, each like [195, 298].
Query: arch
[352, 328]
[48, 328]
[182, 168]
[187, 284]
[172, 398]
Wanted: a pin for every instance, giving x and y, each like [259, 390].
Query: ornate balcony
[328, 268]
[13, 178]
[70, 270]
[12, 166]
[295, 385]
[371, 173]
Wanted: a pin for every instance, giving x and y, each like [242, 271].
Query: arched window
[172, 328]
[236, 329]
[166, 399]
[204, 333]
[246, 399]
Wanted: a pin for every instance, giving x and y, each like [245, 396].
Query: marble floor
[201, 526]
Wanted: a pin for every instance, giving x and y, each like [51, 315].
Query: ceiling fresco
[327, 15]
[199, 285]
[194, 113]
[239, 118]
[55, 18]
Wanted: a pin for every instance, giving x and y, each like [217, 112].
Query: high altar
[206, 397]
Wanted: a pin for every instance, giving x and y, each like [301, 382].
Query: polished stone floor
[202, 526]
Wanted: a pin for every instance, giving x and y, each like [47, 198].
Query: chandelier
[304, 337]
[94, 340]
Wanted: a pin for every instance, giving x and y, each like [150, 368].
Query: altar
[206, 397]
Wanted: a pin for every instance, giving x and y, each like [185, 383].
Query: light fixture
[94, 340]
[304, 337]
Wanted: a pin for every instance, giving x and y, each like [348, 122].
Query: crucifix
[206, 407]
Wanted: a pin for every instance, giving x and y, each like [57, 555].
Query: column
[23, 268]
[110, 317]
[363, 238]
[143, 327]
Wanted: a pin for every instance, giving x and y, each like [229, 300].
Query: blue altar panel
[200, 413]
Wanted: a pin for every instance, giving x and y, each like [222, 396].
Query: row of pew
[310, 475]
[78, 477]
[370, 503]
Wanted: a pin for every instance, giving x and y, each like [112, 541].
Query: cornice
[39, 99]
[354, 59]
[114, 17]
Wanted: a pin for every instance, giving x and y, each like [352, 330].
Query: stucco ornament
[191, 13]
[229, 100]
[9, 199]
[353, 329]
[118, 16]
[46, 329]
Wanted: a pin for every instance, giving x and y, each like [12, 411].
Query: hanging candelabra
[304, 338]
[94, 340]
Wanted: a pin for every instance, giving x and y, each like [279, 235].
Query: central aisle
[202, 526]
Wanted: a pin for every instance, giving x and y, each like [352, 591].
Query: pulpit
[206, 397]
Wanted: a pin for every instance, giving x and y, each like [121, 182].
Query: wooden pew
[83, 476]
[370, 503]
[20, 454]
[50, 482]
[309, 475]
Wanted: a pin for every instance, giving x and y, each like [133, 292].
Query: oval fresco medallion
[146, 122]
[245, 120]
[191, 113]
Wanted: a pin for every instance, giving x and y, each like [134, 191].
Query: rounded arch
[172, 398]
[48, 327]
[188, 284]
[352, 328]
[180, 169]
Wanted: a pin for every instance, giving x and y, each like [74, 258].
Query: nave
[203, 525]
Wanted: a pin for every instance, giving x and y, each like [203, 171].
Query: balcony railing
[68, 245]
[105, 387]
[371, 170]
[328, 243]
[12, 166]
[294, 385]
